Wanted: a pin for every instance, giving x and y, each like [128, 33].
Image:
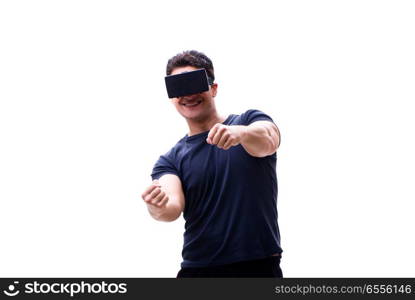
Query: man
[222, 176]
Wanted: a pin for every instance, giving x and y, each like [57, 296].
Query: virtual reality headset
[187, 83]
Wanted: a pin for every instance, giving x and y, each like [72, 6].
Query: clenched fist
[154, 195]
[224, 136]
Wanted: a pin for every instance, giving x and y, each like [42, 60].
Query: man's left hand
[224, 136]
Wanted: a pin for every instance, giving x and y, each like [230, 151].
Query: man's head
[191, 58]
[196, 107]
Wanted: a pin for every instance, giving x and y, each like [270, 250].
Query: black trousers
[266, 267]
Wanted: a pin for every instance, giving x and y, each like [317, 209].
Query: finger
[163, 201]
[156, 182]
[218, 135]
[154, 200]
[229, 143]
[153, 194]
[158, 198]
[225, 137]
[148, 191]
[212, 133]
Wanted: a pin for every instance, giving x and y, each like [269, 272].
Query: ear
[214, 89]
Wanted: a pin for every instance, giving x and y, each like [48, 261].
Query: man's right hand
[155, 196]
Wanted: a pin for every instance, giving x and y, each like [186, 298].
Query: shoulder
[175, 152]
[253, 115]
[168, 162]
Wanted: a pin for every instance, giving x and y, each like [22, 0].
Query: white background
[84, 115]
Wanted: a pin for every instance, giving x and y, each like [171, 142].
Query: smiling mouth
[192, 104]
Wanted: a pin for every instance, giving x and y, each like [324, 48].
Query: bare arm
[261, 138]
[165, 198]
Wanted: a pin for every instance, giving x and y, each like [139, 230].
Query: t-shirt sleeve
[253, 115]
[164, 165]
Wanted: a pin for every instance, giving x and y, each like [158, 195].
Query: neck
[199, 126]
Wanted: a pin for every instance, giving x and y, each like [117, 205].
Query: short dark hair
[191, 58]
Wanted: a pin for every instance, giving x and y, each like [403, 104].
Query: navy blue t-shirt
[230, 198]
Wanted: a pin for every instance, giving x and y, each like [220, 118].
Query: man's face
[196, 107]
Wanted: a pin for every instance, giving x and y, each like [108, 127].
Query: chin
[198, 115]
[194, 117]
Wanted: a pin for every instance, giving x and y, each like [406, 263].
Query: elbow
[167, 216]
[273, 146]
[273, 140]
[271, 149]
[268, 148]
